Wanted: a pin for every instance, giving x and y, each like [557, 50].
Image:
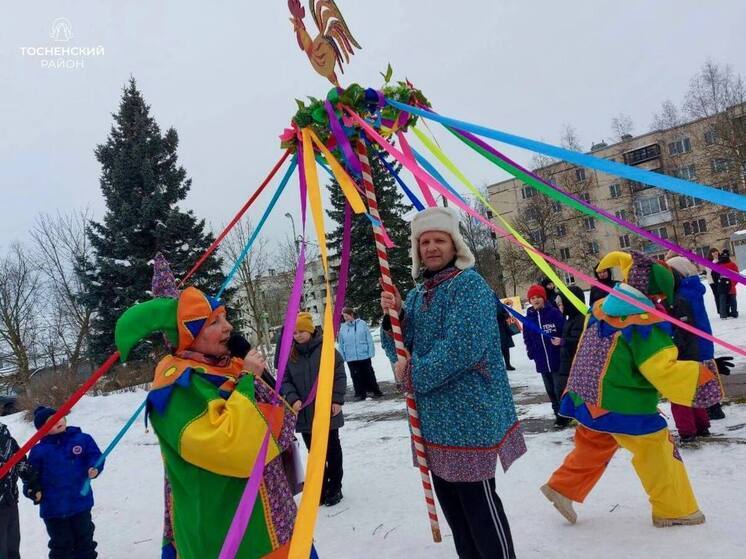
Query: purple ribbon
[246, 505]
[619, 221]
[344, 268]
[342, 140]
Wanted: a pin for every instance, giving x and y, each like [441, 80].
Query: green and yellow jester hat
[180, 319]
[649, 276]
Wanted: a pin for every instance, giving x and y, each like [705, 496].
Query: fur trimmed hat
[445, 220]
[683, 266]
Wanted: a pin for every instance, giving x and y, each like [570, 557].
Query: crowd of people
[209, 405]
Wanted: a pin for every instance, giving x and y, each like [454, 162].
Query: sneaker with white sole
[689, 520]
[561, 503]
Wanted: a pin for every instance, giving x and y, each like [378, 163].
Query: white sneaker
[561, 503]
[689, 520]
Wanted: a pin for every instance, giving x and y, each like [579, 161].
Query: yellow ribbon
[344, 180]
[300, 545]
[542, 264]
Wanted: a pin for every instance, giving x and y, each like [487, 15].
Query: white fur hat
[447, 221]
[683, 266]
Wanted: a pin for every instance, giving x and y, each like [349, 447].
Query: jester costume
[210, 421]
[625, 360]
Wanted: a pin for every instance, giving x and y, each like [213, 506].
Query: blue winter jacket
[62, 462]
[355, 341]
[460, 385]
[546, 356]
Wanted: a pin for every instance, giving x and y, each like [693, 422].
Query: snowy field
[383, 515]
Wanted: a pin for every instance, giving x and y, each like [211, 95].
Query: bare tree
[61, 248]
[20, 286]
[483, 244]
[569, 138]
[668, 117]
[516, 266]
[622, 126]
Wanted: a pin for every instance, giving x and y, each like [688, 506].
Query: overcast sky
[225, 74]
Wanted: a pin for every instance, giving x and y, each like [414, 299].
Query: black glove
[724, 364]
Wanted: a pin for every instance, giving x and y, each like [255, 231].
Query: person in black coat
[10, 533]
[571, 332]
[506, 335]
[604, 276]
[551, 290]
[300, 378]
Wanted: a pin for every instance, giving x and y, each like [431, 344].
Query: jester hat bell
[649, 276]
[181, 320]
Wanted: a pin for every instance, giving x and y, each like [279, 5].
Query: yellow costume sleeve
[658, 361]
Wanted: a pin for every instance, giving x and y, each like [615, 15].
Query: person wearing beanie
[457, 377]
[543, 345]
[551, 293]
[625, 360]
[356, 346]
[210, 411]
[10, 532]
[300, 378]
[604, 277]
[726, 288]
[63, 460]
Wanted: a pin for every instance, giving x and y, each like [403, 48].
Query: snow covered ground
[383, 513]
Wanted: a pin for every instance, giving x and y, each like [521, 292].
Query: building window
[593, 247]
[615, 190]
[687, 173]
[528, 192]
[719, 165]
[661, 232]
[650, 206]
[561, 230]
[729, 219]
[711, 136]
[565, 253]
[585, 196]
[537, 237]
[695, 227]
[729, 188]
[647, 153]
[556, 206]
[689, 202]
[531, 213]
[624, 242]
[621, 214]
[590, 223]
[704, 252]
[569, 278]
[580, 174]
[680, 146]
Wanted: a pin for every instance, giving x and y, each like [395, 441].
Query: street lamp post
[295, 236]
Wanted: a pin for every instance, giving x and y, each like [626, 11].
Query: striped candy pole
[401, 352]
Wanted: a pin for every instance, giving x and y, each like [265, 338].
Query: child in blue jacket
[544, 350]
[63, 460]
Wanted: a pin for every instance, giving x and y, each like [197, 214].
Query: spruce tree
[142, 184]
[363, 289]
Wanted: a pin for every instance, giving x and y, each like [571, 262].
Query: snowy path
[383, 513]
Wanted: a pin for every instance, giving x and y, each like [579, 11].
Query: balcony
[655, 219]
[647, 153]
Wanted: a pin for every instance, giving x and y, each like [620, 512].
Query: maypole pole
[401, 352]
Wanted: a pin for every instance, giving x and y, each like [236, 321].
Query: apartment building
[702, 151]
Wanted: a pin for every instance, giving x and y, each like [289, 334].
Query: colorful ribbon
[114, 442]
[412, 198]
[561, 265]
[262, 221]
[665, 182]
[538, 260]
[560, 195]
[426, 194]
[342, 140]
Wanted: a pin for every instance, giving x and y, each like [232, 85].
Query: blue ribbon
[411, 195]
[255, 233]
[87, 484]
[665, 182]
[524, 320]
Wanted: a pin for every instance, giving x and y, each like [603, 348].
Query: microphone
[238, 345]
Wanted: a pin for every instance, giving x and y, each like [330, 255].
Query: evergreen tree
[142, 184]
[363, 289]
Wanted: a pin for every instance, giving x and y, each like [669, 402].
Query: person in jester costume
[210, 412]
[625, 360]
